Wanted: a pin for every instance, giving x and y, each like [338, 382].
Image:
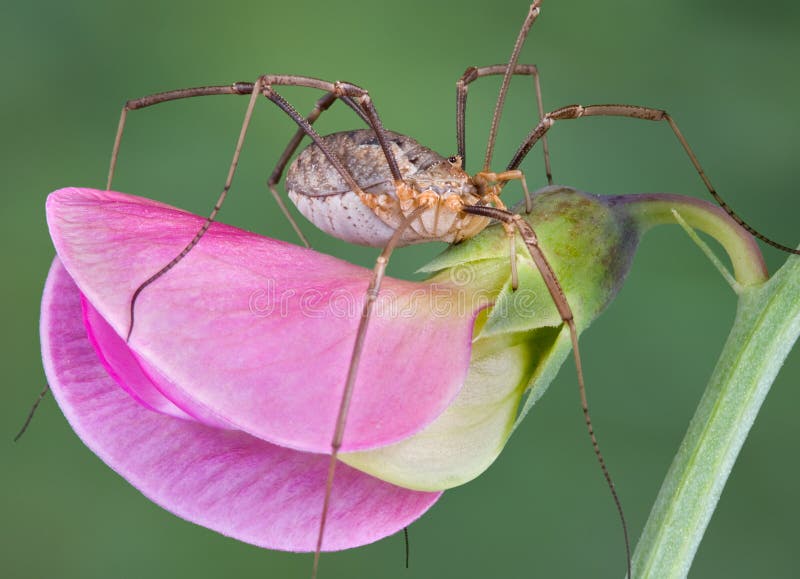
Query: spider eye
[455, 161]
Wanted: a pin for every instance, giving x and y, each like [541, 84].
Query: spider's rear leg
[256, 89]
[263, 86]
[236, 88]
[323, 104]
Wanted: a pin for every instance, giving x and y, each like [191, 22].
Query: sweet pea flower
[222, 404]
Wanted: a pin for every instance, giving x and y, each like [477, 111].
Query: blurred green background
[728, 75]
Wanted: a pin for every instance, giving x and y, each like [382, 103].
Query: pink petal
[258, 333]
[225, 480]
[121, 365]
[137, 378]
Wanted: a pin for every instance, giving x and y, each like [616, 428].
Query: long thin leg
[564, 310]
[263, 86]
[474, 73]
[358, 347]
[237, 88]
[210, 219]
[321, 106]
[635, 112]
[533, 12]
[362, 98]
[374, 287]
[32, 411]
[340, 89]
[407, 544]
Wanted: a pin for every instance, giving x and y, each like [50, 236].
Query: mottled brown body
[372, 216]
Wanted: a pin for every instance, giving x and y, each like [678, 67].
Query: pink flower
[223, 403]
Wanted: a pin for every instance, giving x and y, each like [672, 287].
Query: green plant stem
[766, 326]
[649, 210]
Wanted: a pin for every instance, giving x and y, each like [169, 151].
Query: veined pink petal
[259, 333]
[228, 481]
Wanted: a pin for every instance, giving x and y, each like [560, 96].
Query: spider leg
[635, 112]
[562, 305]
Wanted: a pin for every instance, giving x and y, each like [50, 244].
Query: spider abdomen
[324, 198]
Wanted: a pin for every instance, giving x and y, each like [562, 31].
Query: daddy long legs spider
[558, 114]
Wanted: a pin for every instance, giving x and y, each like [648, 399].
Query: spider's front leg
[643, 113]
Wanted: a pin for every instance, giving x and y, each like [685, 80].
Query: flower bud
[519, 341]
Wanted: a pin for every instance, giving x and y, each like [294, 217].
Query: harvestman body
[379, 188]
[440, 184]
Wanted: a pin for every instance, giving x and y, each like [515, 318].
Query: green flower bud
[520, 340]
